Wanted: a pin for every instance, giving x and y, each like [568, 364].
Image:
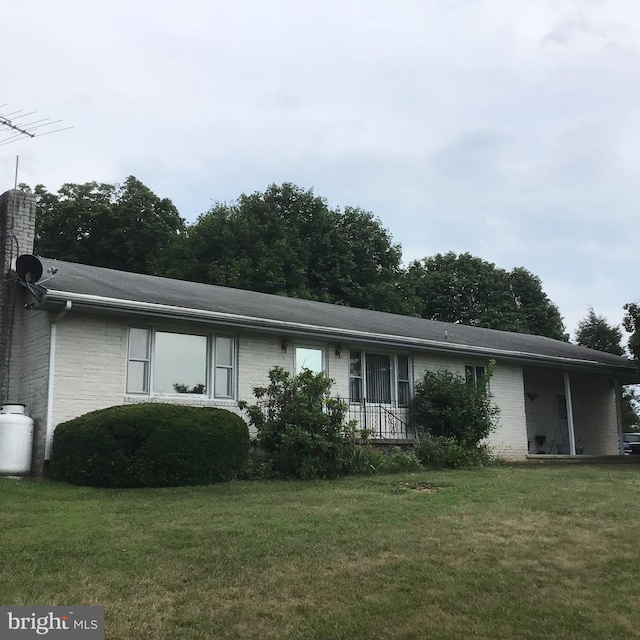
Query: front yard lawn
[531, 551]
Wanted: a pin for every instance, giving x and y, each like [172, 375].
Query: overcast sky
[506, 128]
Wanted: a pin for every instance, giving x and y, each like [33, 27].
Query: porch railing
[382, 422]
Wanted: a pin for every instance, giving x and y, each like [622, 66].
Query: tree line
[288, 241]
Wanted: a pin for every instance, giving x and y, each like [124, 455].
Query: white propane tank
[16, 439]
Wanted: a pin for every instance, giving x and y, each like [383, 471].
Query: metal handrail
[387, 424]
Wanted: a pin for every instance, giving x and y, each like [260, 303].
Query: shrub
[399, 461]
[299, 426]
[150, 445]
[365, 460]
[439, 452]
[447, 404]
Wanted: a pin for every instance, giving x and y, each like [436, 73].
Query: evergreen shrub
[150, 445]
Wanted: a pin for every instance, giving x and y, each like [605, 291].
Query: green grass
[502, 552]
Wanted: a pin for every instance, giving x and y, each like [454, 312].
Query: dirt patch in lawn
[420, 487]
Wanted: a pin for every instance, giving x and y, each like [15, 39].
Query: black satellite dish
[28, 268]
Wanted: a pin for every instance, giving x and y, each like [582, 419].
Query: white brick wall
[97, 348]
[90, 365]
[509, 441]
[91, 359]
[595, 418]
[256, 355]
[338, 368]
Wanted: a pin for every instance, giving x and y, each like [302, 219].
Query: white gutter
[52, 364]
[171, 311]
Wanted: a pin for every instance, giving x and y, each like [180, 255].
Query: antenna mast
[15, 125]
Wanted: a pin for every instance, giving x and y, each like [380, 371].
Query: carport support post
[567, 394]
[618, 391]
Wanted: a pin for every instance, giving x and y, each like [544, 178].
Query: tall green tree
[468, 290]
[631, 322]
[287, 241]
[595, 332]
[125, 227]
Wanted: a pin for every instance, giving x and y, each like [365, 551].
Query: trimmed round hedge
[150, 445]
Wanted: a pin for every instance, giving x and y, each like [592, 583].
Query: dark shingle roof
[111, 291]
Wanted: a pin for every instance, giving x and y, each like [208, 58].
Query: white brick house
[89, 338]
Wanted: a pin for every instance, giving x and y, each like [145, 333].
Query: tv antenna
[16, 125]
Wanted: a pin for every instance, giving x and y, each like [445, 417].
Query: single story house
[78, 338]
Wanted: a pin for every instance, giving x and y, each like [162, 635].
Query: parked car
[631, 443]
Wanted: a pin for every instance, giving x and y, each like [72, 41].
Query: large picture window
[179, 363]
[168, 363]
[380, 378]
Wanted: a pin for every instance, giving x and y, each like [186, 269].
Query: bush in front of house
[453, 414]
[450, 405]
[441, 452]
[399, 461]
[365, 459]
[302, 430]
[150, 445]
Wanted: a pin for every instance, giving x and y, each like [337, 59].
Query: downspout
[52, 363]
[567, 394]
[618, 397]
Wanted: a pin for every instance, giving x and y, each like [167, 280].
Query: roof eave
[118, 306]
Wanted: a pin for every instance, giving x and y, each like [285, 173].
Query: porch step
[582, 459]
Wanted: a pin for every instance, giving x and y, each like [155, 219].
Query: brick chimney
[17, 234]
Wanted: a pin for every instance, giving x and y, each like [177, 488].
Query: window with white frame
[171, 363]
[224, 366]
[379, 377]
[311, 358]
[139, 360]
[404, 381]
[474, 373]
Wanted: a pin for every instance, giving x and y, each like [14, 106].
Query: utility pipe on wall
[52, 364]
